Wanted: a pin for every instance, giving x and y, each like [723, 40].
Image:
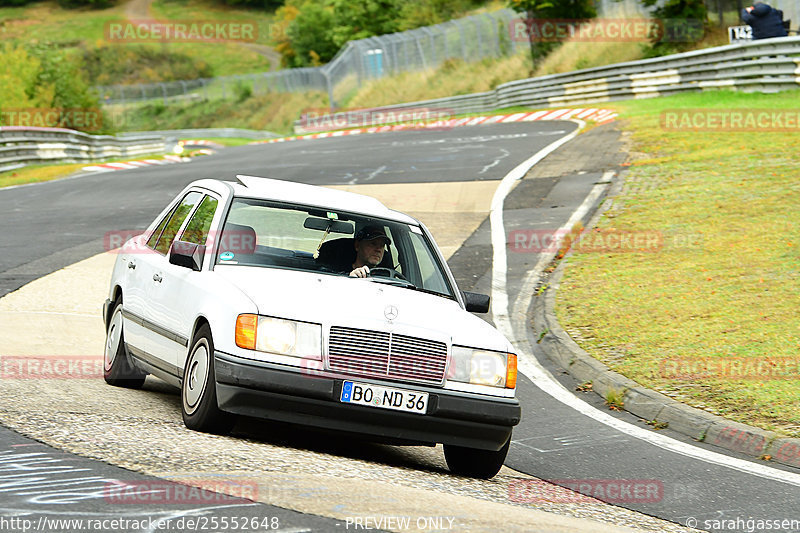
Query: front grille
[379, 354]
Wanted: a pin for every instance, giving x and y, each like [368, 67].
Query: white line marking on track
[375, 173]
[496, 162]
[513, 326]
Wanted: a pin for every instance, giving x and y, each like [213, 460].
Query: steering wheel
[386, 272]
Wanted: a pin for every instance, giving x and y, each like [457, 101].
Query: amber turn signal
[246, 331]
[511, 371]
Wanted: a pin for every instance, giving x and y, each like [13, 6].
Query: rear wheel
[471, 462]
[199, 391]
[117, 370]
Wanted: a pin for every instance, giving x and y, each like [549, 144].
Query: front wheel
[199, 390]
[471, 462]
[117, 370]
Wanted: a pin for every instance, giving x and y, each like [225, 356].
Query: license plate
[384, 397]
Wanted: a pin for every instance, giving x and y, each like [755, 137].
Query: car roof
[313, 195]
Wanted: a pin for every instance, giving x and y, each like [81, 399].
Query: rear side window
[176, 220]
[197, 229]
[151, 242]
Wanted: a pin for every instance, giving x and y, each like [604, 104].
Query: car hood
[333, 300]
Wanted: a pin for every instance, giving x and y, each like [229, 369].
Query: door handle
[131, 264]
[157, 277]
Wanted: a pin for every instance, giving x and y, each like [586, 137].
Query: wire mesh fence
[469, 39]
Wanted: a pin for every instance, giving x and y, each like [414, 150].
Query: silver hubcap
[113, 339]
[194, 382]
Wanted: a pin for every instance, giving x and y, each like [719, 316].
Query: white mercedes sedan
[312, 306]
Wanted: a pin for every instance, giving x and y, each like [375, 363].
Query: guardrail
[20, 146]
[767, 65]
[196, 133]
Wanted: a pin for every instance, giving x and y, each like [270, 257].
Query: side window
[431, 274]
[175, 222]
[197, 229]
[151, 242]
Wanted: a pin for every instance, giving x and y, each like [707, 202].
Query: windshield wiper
[409, 285]
[395, 281]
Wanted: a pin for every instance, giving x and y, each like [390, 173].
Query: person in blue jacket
[765, 20]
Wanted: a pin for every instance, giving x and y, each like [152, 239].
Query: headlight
[483, 367]
[278, 335]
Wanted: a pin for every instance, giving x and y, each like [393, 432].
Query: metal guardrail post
[495, 25]
[463, 39]
[478, 37]
[433, 45]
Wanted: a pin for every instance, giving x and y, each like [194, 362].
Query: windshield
[266, 234]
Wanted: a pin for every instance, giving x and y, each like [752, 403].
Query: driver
[370, 244]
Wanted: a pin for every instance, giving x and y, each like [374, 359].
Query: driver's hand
[360, 272]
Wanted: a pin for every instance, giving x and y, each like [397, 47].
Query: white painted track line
[513, 326]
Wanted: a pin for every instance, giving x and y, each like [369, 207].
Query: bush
[43, 77]
[93, 4]
[685, 22]
[254, 4]
[126, 64]
[242, 90]
[545, 9]
[311, 33]
[15, 3]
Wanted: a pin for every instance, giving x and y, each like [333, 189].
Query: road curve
[409, 168]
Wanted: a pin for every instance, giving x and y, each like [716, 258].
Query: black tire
[117, 369]
[471, 462]
[199, 391]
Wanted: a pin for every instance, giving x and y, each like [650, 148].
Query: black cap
[367, 233]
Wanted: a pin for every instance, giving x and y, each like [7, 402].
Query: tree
[359, 19]
[18, 71]
[44, 78]
[536, 10]
[310, 35]
[684, 22]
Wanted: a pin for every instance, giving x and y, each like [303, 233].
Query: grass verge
[37, 173]
[225, 141]
[709, 316]
[81, 28]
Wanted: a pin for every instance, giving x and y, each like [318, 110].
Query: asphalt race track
[49, 226]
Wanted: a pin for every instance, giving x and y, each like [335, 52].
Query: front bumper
[265, 390]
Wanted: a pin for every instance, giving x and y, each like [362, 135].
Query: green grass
[47, 172]
[226, 141]
[726, 283]
[76, 29]
[274, 112]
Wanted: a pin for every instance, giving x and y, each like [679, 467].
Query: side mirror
[476, 303]
[187, 254]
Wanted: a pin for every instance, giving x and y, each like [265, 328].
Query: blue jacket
[765, 20]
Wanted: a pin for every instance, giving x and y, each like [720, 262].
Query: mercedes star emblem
[390, 312]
